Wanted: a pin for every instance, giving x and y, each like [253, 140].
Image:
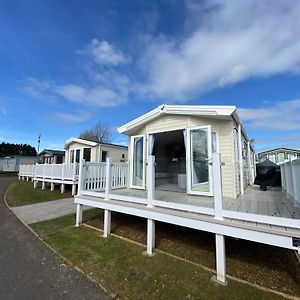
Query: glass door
[198, 157]
[138, 162]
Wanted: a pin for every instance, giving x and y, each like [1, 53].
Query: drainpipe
[241, 159]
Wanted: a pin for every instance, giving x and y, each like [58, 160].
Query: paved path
[46, 210]
[29, 270]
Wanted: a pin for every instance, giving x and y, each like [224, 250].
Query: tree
[100, 133]
[7, 149]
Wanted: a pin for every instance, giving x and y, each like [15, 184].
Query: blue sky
[67, 64]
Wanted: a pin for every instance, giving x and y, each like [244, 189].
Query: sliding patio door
[138, 161]
[199, 149]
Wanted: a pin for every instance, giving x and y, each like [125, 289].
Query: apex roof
[221, 112]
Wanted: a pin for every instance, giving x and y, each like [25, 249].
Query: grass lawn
[23, 193]
[120, 266]
[272, 267]
[8, 174]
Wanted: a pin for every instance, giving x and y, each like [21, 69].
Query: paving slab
[33, 213]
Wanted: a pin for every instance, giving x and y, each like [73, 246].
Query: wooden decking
[272, 202]
[141, 210]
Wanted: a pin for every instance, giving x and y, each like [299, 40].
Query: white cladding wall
[13, 164]
[224, 131]
[74, 146]
[116, 153]
[112, 151]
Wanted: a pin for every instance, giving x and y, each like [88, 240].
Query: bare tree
[100, 133]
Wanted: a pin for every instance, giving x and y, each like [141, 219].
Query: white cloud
[283, 115]
[277, 141]
[37, 88]
[103, 53]
[94, 96]
[228, 41]
[69, 118]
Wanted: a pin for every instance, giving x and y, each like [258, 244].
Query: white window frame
[143, 186]
[188, 161]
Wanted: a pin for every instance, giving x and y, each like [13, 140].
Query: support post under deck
[78, 215]
[220, 259]
[62, 188]
[150, 236]
[107, 223]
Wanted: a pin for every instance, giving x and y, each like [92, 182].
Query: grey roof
[53, 152]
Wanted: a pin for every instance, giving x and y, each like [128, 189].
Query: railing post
[43, 171]
[217, 185]
[74, 171]
[80, 177]
[128, 175]
[150, 180]
[63, 172]
[108, 178]
[52, 167]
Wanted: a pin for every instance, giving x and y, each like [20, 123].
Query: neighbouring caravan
[12, 163]
[182, 139]
[48, 156]
[78, 149]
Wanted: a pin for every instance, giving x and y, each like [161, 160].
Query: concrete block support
[52, 186]
[43, 185]
[150, 236]
[35, 182]
[78, 215]
[107, 223]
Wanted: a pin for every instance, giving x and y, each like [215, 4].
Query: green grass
[23, 193]
[8, 174]
[272, 267]
[121, 267]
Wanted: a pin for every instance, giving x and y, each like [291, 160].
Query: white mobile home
[78, 149]
[279, 155]
[56, 172]
[193, 166]
[12, 163]
[48, 156]
[182, 139]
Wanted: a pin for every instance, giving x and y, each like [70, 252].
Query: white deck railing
[27, 170]
[94, 176]
[100, 179]
[63, 172]
[290, 179]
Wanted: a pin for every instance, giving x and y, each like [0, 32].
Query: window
[123, 158]
[78, 155]
[104, 156]
[286, 156]
[214, 142]
[87, 154]
[71, 156]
